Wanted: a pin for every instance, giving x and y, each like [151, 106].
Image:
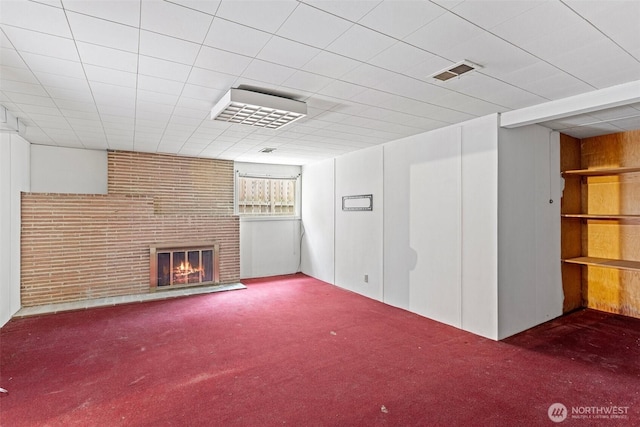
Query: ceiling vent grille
[258, 109]
[456, 70]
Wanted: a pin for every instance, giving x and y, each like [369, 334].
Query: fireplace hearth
[184, 264]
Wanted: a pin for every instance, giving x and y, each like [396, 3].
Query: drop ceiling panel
[175, 20]
[103, 33]
[303, 80]
[35, 16]
[60, 67]
[259, 14]
[206, 6]
[401, 57]
[351, 10]
[443, 33]
[401, 18]
[26, 41]
[495, 56]
[168, 48]
[107, 57]
[267, 72]
[156, 97]
[490, 13]
[202, 93]
[126, 12]
[330, 65]
[9, 58]
[169, 70]
[156, 84]
[235, 37]
[535, 23]
[23, 88]
[360, 43]
[617, 19]
[342, 90]
[222, 61]
[286, 52]
[114, 77]
[313, 27]
[210, 79]
[144, 75]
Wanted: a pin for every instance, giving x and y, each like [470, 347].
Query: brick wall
[77, 247]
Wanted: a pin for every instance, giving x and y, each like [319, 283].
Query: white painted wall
[440, 225]
[68, 170]
[318, 220]
[434, 223]
[530, 283]
[469, 237]
[479, 226]
[269, 246]
[14, 178]
[358, 234]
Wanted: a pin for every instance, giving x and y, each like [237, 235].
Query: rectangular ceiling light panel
[257, 109]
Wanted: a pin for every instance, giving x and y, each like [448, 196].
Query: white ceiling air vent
[257, 109]
[455, 70]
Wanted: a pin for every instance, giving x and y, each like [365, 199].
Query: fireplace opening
[178, 265]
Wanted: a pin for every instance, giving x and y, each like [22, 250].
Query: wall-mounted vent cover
[268, 150]
[258, 109]
[456, 70]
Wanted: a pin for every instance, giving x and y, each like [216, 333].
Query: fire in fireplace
[184, 265]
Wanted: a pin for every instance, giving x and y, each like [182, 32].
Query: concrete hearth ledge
[124, 299]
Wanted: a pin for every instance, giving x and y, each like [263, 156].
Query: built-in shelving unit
[601, 222]
[604, 217]
[601, 171]
[605, 262]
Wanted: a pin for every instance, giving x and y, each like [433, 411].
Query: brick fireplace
[79, 246]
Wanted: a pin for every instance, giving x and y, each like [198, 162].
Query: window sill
[250, 218]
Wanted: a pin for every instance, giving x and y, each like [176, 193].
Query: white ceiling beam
[611, 97]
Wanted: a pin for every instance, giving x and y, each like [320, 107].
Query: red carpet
[295, 351]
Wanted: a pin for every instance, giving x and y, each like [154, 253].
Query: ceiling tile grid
[143, 74]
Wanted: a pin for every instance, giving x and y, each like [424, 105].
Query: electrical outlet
[366, 278]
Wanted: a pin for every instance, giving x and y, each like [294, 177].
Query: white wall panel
[434, 221]
[358, 234]
[14, 178]
[68, 170]
[399, 258]
[530, 283]
[269, 247]
[480, 226]
[318, 220]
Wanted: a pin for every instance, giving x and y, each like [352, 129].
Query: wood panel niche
[601, 222]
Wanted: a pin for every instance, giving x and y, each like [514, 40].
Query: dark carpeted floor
[292, 350]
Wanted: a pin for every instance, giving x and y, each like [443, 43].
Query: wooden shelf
[602, 171]
[605, 217]
[605, 262]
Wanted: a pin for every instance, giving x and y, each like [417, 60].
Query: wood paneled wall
[77, 247]
[607, 289]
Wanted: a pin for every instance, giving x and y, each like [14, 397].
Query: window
[266, 196]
